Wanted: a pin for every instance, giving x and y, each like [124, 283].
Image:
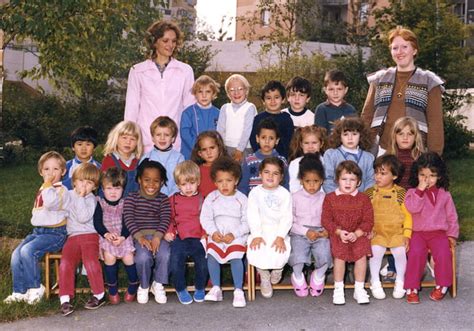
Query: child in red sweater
[348, 217]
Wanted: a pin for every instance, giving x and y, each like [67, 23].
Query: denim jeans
[149, 265]
[26, 257]
[180, 251]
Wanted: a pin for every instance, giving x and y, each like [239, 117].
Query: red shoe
[413, 297]
[437, 294]
[114, 299]
[129, 297]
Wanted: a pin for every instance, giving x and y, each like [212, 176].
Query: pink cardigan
[428, 217]
[149, 95]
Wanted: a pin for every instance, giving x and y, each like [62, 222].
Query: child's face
[51, 171]
[405, 138]
[273, 101]
[163, 137]
[311, 182]
[271, 176]
[348, 182]
[350, 139]
[226, 183]
[126, 145]
[236, 91]
[150, 182]
[310, 143]
[188, 187]
[84, 186]
[83, 150]
[204, 95]
[298, 101]
[267, 140]
[427, 177]
[112, 193]
[208, 150]
[384, 177]
[335, 92]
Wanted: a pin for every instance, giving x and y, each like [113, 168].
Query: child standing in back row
[298, 91]
[200, 117]
[236, 118]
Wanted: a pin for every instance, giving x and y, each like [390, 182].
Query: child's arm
[222, 122]
[243, 228]
[55, 198]
[286, 216]
[245, 180]
[367, 222]
[415, 200]
[170, 234]
[84, 208]
[368, 173]
[187, 132]
[248, 129]
[253, 215]
[129, 217]
[329, 162]
[286, 177]
[452, 219]
[320, 118]
[253, 133]
[99, 223]
[327, 218]
[207, 216]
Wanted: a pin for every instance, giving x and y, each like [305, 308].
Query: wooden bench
[424, 284]
[53, 288]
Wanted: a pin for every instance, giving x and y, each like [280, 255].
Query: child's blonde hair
[86, 171]
[187, 171]
[351, 124]
[240, 78]
[197, 148]
[296, 148]
[124, 128]
[418, 148]
[164, 122]
[205, 80]
[51, 155]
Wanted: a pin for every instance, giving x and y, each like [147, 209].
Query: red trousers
[83, 247]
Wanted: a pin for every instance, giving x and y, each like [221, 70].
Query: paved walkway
[283, 311]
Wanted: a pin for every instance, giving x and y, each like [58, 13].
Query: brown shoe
[67, 308]
[129, 297]
[94, 303]
[114, 299]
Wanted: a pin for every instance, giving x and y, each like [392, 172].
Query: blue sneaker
[199, 295]
[184, 297]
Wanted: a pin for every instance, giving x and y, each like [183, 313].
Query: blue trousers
[181, 250]
[26, 257]
[149, 265]
[236, 267]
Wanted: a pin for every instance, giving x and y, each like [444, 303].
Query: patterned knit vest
[112, 215]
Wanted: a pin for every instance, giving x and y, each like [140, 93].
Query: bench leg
[47, 291]
[453, 289]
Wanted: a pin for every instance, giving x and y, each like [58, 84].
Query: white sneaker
[275, 276]
[361, 296]
[398, 290]
[239, 298]
[377, 291]
[35, 294]
[16, 297]
[384, 271]
[215, 294]
[338, 296]
[265, 284]
[159, 292]
[142, 295]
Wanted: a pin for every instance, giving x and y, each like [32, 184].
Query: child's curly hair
[435, 163]
[296, 144]
[351, 124]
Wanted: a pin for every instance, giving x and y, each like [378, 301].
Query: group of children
[266, 189]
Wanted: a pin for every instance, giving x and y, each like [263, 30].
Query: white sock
[300, 280]
[359, 285]
[64, 298]
[338, 285]
[99, 296]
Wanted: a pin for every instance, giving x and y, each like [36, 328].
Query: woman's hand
[279, 245]
[256, 242]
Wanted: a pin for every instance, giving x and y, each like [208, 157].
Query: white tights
[375, 262]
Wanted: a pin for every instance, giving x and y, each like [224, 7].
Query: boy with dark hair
[273, 95]
[83, 143]
[298, 91]
[267, 137]
[335, 107]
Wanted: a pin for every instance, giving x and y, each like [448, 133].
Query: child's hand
[169, 237]
[110, 236]
[343, 234]
[237, 155]
[256, 242]
[323, 234]
[228, 238]
[118, 240]
[217, 237]
[279, 245]
[406, 243]
[48, 178]
[352, 237]
[145, 243]
[155, 244]
[452, 241]
[312, 235]
[423, 184]
[371, 235]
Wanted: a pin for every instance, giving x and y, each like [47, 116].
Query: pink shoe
[316, 289]
[301, 290]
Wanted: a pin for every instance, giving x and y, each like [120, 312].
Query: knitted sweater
[307, 210]
[236, 134]
[405, 158]
[185, 213]
[327, 114]
[427, 216]
[80, 219]
[250, 171]
[285, 126]
[144, 216]
[195, 120]
[109, 210]
[71, 165]
[49, 207]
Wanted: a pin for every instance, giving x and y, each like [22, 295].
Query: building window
[265, 17]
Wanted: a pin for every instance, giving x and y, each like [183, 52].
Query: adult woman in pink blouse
[160, 85]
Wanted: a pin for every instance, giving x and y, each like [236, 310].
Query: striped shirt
[146, 216]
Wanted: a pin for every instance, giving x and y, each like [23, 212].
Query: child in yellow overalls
[392, 224]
